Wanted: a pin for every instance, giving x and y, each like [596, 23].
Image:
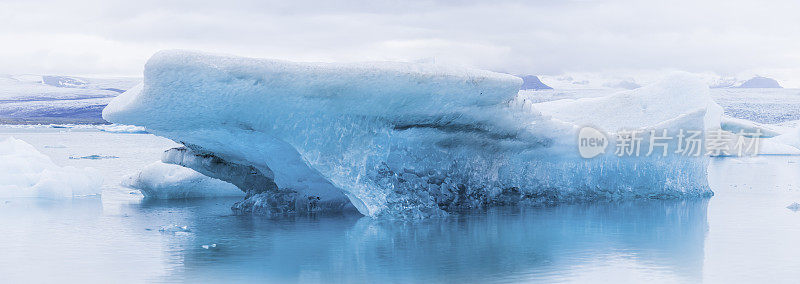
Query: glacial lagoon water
[744, 233]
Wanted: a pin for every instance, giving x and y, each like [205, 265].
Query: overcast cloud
[531, 37]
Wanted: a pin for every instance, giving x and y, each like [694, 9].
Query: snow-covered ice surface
[773, 112]
[400, 139]
[26, 172]
[791, 138]
[57, 99]
[765, 106]
[167, 181]
[736, 125]
[674, 96]
[769, 106]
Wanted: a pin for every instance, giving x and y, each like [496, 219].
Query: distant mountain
[62, 81]
[760, 82]
[530, 82]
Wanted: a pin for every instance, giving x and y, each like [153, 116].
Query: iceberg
[116, 128]
[166, 181]
[409, 140]
[676, 95]
[790, 139]
[175, 230]
[735, 125]
[25, 172]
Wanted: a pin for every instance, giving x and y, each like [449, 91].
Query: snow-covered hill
[28, 99]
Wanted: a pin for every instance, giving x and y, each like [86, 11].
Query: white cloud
[539, 37]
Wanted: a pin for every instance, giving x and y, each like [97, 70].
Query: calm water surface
[742, 234]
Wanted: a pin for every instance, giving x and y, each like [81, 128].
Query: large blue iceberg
[402, 139]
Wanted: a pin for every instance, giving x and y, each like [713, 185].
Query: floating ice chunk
[402, 139]
[737, 125]
[58, 146]
[166, 181]
[25, 172]
[63, 81]
[111, 128]
[794, 207]
[175, 230]
[771, 146]
[790, 138]
[121, 128]
[92, 157]
[209, 246]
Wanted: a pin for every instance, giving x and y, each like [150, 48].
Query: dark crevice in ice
[263, 195]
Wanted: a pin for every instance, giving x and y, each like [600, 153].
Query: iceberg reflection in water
[664, 239]
[85, 239]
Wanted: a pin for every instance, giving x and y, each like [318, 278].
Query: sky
[115, 38]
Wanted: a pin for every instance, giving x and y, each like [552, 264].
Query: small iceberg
[175, 230]
[92, 157]
[166, 181]
[121, 128]
[58, 146]
[25, 172]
